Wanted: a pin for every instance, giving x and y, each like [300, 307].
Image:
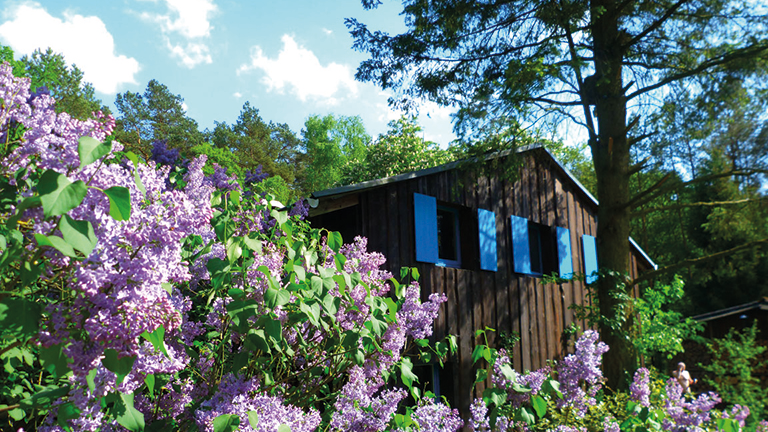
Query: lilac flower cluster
[738, 413]
[532, 380]
[582, 370]
[220, 180]
[162, 155]
[682, 414]
[762, 426]
[255, 176]
[361, 407]
[436, 417]
[640, 389]
[300, 208]
[237, 395]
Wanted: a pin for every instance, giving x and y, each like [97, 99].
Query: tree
[155, 115]
[333, 143]
[598, 63]
[64, 83]
[400, 150]
[254, 142]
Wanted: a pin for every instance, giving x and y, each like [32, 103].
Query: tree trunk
[610, 152]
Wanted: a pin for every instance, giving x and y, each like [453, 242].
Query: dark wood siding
[503, 300]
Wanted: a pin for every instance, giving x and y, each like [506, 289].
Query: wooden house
[485, 242]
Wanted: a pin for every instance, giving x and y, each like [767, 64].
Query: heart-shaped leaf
[90, 150]
[119, 202]
[79, 234]
[59, 195]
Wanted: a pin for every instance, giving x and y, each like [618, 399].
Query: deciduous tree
[598, 63]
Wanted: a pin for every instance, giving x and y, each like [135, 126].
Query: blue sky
[290, 59]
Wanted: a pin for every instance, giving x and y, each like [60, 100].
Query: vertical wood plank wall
[502, 300]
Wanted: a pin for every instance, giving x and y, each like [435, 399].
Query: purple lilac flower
[581, 370]
[564, 428]
[163, 155]
[684, 415]
[300, 208]
[478, 421]
[738, 413]
[762, 426]
[436, 417]
[611, 425]
[220, 180]
[255, 176]
[359, 408]
[640, 390]
[239, 396]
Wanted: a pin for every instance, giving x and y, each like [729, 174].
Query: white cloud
[84, 41]
[186, 25]
[327, 31]
[299, 70]
[237, 95]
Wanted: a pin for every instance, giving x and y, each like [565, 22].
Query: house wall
[502, 300]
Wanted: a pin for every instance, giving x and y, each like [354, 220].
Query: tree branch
[749, 51]
[697, 204]
[656, 24]
[695, 261]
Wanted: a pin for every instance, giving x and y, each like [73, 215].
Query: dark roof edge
[451, 165]
[411, 175]
[757, 304]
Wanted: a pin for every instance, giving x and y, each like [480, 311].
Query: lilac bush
[569, 397]
[152, 295]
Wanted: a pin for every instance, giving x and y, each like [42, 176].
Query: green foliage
[731, 371]
[155, 115]
[402, 149]
[334, 145]
[221, 156]
[65, 83]
[656, 328]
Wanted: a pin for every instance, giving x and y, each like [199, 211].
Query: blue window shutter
[425, 226]
[521, 250]
[564, 258]
[486, 224]
[590, 257]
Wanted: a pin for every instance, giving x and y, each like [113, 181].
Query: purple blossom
[163, 155]
[300, 208]
[361, 407]
[640, 390]
[682, 415]
[255, 176]
[581, 370]
[220, 180]
[240, 396]
[436, 417]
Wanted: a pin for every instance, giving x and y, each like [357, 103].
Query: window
[538, 249]
[444, 235]
[448, 237]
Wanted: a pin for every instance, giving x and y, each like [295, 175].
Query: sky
[289, 58]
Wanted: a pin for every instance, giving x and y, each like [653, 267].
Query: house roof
[761, 304]
[370, 184]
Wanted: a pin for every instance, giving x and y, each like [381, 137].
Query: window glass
[448, 246]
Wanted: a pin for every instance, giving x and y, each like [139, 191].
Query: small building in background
[485, 241]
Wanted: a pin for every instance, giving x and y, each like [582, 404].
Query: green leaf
[90, 379]
[540, 405]
[226, 423]
[119, 202]
[477, 354]
[526, 415]
[334, 241]
[121, 366]
[494, 396]
[280, 216]
[130, 418]
[79, 234]
[44, 398]
[339, 260]
[274, 330]
[149, 380]
[283, 428]
[58, 195]
[234, 249]
[253, 419]
[90, 150]
[66, 412]
[481, 375]
[57, 243]
[406, 372]
[54, 360]
[19, 318]
[157, 339]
